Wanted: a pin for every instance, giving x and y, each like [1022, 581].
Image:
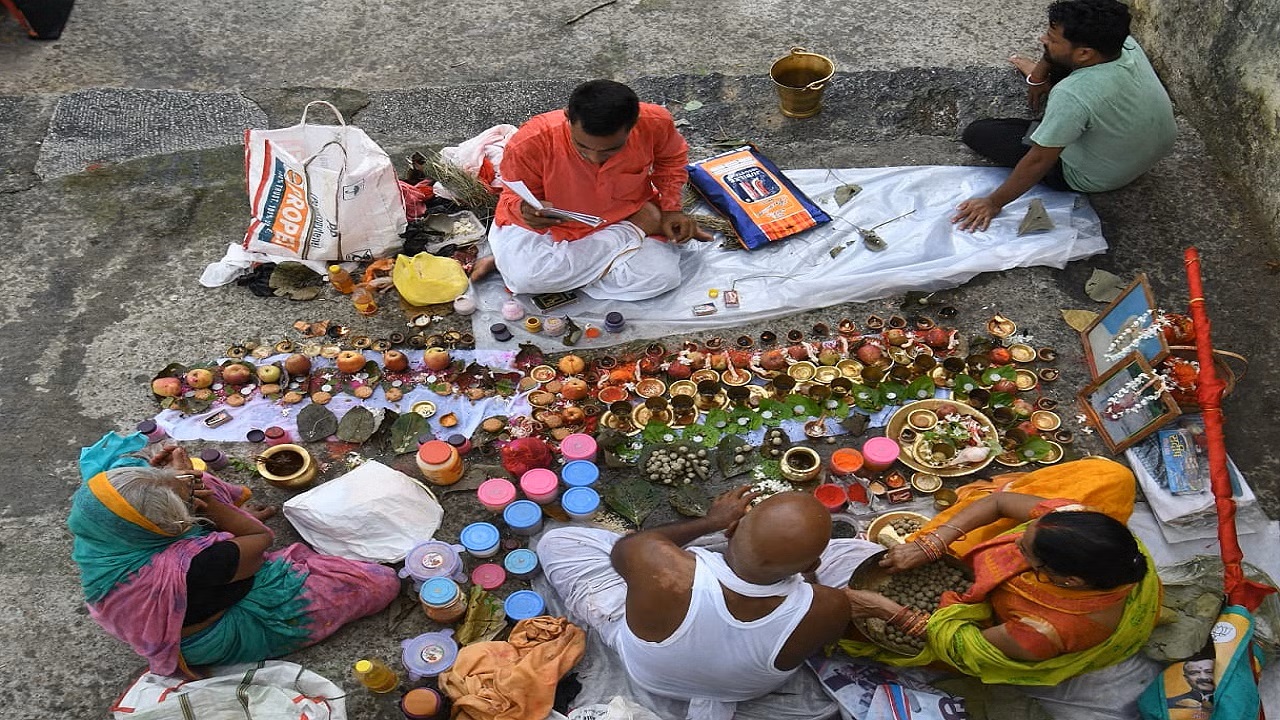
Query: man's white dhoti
[616, 262]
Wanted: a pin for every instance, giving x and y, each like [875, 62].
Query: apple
[571, 365]
[869, 354]
[1005, 386]
[436, 359]
[297, 365]
[350, 361]
[395, 361]
[1000, 356]
[236, 374]
[167, 386]
[773, 360]
[269, 374]
[679, 371]
[575, 388]
[199, 378]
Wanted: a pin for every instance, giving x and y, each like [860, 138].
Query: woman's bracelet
[910, 621]
[931, 545]
[962, 535]
[1035, 84]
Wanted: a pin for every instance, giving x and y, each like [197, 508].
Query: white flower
[744, 421]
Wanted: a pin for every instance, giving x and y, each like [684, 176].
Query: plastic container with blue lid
[522, 563]
[524, 604]
[524, 517]
[429, 654]
[581, 503]
[432, 558]
[439, 591]
[580, 473]
[481, 539]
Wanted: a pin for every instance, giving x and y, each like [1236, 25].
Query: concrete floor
[122, 178]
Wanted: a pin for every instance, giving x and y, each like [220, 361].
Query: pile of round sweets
[741, 454]
[906, 525]
[775, 443]
[920, 588]
[677, 465]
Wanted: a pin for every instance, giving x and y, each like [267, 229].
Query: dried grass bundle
[466, 188]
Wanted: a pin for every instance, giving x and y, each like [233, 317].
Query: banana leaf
[485, 617]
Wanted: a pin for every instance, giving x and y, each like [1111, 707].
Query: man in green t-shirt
[1108, 119]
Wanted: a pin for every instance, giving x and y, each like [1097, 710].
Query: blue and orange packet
[761, 203]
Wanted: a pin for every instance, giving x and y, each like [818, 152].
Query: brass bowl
[870, 576]
[296, 480]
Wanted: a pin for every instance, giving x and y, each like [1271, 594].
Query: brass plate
[650, 387]
[607, 420]
[899, 421]
[704, 374]
[330, 351]
[543, 373]
[802, 371]
[1025, 380]
[826, 373]
[683, 387]
[1054, 456]
[1045, 420]
[1022, 353]
[851, 369]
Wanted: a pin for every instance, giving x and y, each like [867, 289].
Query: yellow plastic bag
[426, 279]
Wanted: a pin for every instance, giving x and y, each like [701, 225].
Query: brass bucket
[800, 78]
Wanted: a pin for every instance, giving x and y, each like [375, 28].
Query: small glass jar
[443, 600]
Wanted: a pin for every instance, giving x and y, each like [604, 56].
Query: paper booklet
[519, 188]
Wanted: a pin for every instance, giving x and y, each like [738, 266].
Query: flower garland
[1130, 398]
[1129, 338]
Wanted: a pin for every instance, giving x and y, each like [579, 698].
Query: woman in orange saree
[1060, 586]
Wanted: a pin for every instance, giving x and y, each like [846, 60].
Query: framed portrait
[1128, 403]
[1127, 325]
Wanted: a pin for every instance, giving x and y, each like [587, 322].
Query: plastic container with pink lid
[578, 446]
[496, 494]
[879, 453]
[540, 485]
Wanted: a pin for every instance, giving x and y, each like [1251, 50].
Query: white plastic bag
[482, 155]
[373, 513]
[273, 689]
[321, 192]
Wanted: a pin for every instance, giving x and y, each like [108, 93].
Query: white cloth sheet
[259, 413]
[925, 252]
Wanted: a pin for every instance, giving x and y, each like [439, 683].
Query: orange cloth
[650, 167]
[1103, 485]
[1043, 618]
[516, 679]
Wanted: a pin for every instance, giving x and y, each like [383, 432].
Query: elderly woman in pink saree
[174, 567]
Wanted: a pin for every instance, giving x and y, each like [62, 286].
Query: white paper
[519, 188]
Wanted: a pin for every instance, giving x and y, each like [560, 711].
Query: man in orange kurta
[606, 154]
